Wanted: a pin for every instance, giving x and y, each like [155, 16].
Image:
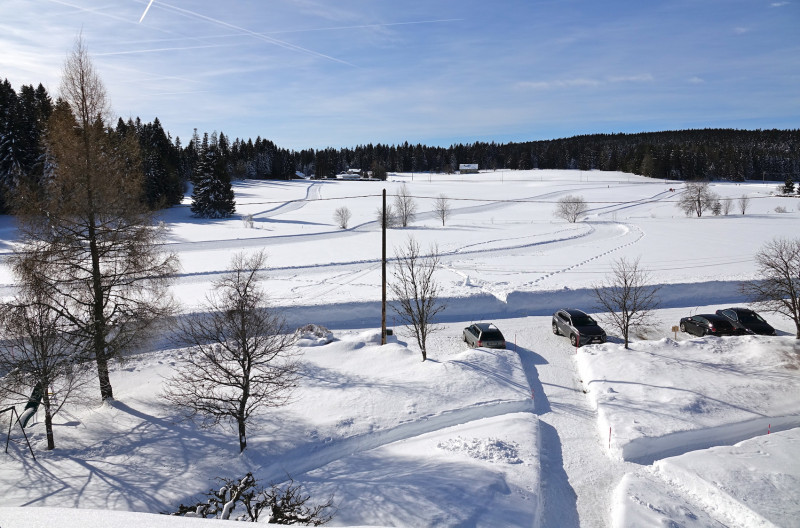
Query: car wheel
[573, 339]
[683, 327]
[555, 329]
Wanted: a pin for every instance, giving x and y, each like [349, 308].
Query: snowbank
[752, 484]
[663, 398]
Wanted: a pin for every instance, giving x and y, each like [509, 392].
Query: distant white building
[468, 168]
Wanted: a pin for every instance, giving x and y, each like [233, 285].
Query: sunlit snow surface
[470, 437]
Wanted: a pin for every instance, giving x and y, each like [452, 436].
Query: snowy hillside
[672, 432]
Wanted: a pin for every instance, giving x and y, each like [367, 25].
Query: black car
[709, 324]
[579, 326]
[748, 320]
[484, 335]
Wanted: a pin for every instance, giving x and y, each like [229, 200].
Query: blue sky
[313, 73]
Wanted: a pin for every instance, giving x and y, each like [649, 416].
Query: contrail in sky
[260, 36]
[146, 9]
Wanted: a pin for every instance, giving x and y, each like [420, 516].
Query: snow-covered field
[672, 432]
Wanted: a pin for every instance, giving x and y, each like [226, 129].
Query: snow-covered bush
[312, 335]
[283, 505]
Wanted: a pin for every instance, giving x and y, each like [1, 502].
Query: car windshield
[492, 335]
[750, 317]
[583, 320]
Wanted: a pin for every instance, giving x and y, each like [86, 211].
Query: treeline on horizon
[168, 165]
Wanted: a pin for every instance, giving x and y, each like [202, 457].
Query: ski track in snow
[584, 230]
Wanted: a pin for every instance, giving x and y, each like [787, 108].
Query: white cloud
[584, 82]
[643, 77]
[779, 4]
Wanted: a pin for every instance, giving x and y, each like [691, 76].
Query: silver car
[484, 335]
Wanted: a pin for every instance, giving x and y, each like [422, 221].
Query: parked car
[748, 320]
[579, 326]
[484, 335]
[709, 324]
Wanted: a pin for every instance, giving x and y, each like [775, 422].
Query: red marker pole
[768, 428]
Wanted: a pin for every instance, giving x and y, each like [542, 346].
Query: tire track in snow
[299, 461]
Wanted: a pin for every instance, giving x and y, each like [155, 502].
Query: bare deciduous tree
[744, 203]
[697, 199]
[391, 217]
[240, 361]
[87, 236]
[405, 207]
[727, 203]
[442, 208]
[416, 291]
[571, 208]
[342, 217]
[777, 289]
[627, 297]
[36, 353]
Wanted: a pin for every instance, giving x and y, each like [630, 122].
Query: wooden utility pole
[383, 271]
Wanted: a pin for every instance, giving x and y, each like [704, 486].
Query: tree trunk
[48, 420]
[99, 341]
[242, 433]
[106, 392]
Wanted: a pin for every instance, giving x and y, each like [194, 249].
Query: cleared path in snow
[578, 478]
[301, 461]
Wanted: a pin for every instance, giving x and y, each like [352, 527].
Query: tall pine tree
[212, 196]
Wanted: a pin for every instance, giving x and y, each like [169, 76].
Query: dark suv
[484, 335]
[579, 326]
[748, 320]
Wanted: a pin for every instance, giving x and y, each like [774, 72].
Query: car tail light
[480, 343]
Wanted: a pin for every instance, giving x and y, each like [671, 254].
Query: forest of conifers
[168, 164]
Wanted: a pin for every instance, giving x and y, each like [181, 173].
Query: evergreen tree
[212, 196]
[788, 185]
[161, 164]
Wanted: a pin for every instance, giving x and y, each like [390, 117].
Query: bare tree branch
[744, 203]
[36, 353]
[627, 298]
[405, 207]
[777, 288]
[342, 217]
[571, 208]
[239, 361]
[697, 199]
[416, 292]
[442, 208]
